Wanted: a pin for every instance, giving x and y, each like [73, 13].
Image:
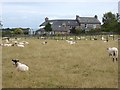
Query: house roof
[73, 22]
[58, 22]
[88, 20]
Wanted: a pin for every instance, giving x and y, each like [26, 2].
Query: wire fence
[100, 36]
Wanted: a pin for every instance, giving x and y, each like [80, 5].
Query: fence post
[75, 36]
[113, 36]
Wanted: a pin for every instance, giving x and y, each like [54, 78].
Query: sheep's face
[15, 61]
[108, 48]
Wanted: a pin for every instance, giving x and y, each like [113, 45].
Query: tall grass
[60, 65]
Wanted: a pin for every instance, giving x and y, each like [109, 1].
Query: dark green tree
[74, 30]
[110, 22]
[48, 27]
[18, 31]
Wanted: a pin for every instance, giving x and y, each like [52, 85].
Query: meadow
[58, 64]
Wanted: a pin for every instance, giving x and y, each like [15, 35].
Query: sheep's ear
[17, 60]
[12, 59]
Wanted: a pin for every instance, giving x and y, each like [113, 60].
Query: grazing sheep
[20, 66]
[113, 52]
[7, 44]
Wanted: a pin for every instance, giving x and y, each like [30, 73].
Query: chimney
[46, 19]
[77, 16]
[96, 16]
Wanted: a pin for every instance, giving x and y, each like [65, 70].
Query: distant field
[85, 64]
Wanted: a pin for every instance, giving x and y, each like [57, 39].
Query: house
[64, 25]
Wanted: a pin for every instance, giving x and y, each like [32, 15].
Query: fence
[100, 36]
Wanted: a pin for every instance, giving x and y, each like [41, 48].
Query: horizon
[32, 14]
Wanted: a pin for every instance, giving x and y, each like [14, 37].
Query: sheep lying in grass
[20, 66]
[71, 42]
[113, 52]
[20, 45]
[44, 42]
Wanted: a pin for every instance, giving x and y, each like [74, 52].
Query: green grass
[60, 65]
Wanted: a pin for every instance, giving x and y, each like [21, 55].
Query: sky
[31, 13]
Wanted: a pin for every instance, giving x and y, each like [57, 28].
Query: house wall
[90, 26]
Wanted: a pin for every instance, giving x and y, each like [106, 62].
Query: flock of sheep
[112, 51]
[13, 42]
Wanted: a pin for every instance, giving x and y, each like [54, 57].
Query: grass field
[85, 64]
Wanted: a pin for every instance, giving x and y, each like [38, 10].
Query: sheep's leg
[113, 59]
[116, 59]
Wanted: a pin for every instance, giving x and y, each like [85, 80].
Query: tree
[110, 22]
[76, 30]
[48, 27]
[18, 31]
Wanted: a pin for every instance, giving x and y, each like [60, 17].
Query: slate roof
[88, 20]
[61, 22]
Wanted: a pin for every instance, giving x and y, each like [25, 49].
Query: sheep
[113, 52]
[20, 66]
[25, 42]
[71, 38]
[78, 38]
[71, 42]
[20, 45]
[7, 44]
[111, 35]
[102, 38]
[44, 42]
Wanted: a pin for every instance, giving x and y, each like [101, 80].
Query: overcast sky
[31, 13]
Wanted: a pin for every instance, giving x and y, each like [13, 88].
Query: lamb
[113, 52]
[20, 66]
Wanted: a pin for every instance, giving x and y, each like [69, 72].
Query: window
[94, 26]
[85, 25]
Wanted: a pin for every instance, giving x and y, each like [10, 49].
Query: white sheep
[71, 38]
[7, 44]
[20, 45]
[113, 52]
[25, 42]
[44, 42]
[78, 38]
[102, 38]
[20, 66]
[71, 42]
